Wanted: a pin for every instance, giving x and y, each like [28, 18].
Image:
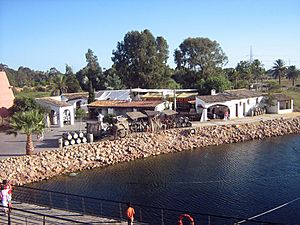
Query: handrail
[151, 207]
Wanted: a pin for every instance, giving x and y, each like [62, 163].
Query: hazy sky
[41, 34]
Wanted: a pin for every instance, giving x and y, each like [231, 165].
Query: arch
[67, 116]
[53, 117]
[218, 111]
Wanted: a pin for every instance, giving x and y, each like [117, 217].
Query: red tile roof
[51, 101]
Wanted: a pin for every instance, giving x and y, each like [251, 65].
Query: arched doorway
[218, 111]
[66, 116]
[53, 117]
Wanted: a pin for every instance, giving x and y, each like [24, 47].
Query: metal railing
[117, 210]
[22, 216]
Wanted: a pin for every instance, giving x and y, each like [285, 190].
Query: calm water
[241, 180]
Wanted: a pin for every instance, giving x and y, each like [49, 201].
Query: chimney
[213, 92]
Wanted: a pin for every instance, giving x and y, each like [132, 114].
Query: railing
[117, 210]
[22, 216]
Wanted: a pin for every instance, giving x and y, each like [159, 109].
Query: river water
[240, 180]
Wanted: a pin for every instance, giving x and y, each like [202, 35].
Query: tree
[200, 55]
[233, 76]
[279, 69]
[28, 122]
[91, 77]
[22, 104]
[80, 113]
[292, 74]
[58, 84]
[71, 81]
[113, 81]
[257, 69]
[140, 60]
[219, 83]
[244, 70]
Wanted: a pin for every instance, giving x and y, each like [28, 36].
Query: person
[5, 197]
[226, 115]
[130, 214]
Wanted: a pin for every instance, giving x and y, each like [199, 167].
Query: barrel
[83, 140]
[80, 134]
[66, 142]
[90, 138]
[74, 135]
[78, 141]
[72, 142]
[67, 136]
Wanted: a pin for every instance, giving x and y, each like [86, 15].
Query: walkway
[32, 214]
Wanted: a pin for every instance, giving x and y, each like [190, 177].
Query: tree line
[140, 60]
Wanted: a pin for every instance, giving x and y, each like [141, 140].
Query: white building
[61, 112]
[77, 100]
[280, 104]
[237, 103]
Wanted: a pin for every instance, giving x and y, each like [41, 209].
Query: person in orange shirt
[130, 214]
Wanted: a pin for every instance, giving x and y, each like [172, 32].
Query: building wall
[6, 95]
[238, 108]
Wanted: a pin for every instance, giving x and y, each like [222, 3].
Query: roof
[187, 95]
[113, 95]
[124, 104]
[77, 95]
[281, 97]
[169, 112]
[229, 95]
[151, 113]
[136, 115]
[51, 101]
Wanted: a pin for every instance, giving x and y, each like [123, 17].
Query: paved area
[24, 213]
[15, 146]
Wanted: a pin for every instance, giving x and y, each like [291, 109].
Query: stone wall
[47, 164]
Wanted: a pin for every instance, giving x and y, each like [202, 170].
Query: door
[237, 110]
[244, 109]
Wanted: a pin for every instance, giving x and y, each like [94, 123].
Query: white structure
[236, 103]
[281, 104]
[60, 111]
[77, 100]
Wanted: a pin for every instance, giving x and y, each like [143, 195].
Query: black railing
[116, 209]
[22, 216]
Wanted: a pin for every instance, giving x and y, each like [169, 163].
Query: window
[248, 101]
[256, 100]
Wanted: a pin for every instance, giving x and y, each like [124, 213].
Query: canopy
[136, 115]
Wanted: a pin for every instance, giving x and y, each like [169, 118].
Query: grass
[32, 94]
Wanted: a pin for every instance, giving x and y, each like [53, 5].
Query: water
[240, 180]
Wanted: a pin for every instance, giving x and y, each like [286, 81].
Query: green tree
[58, 84]
[244, 69]
[257, 70]
[71, 81]
[219, 83]
[140, 60]
[22, 104]
[234, 76]
[113, 81]
[279, 69]
[80, 113]
[28, 122]
[200, 55]
[292, 74]
[91, 77]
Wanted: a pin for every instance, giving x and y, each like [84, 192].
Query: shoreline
[47, 164]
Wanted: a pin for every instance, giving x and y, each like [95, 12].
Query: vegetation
[28, 122]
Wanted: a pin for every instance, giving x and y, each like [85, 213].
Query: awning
[151, 113]
[169, 112]
[136, 115]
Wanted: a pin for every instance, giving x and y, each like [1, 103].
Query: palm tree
[279, 69]
[28, 122]
[59, 84]
[292, 74]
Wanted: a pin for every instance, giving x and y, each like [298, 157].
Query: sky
[41, 34]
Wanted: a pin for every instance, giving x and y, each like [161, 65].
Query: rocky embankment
[44, 165]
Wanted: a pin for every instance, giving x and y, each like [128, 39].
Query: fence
[117, 210]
